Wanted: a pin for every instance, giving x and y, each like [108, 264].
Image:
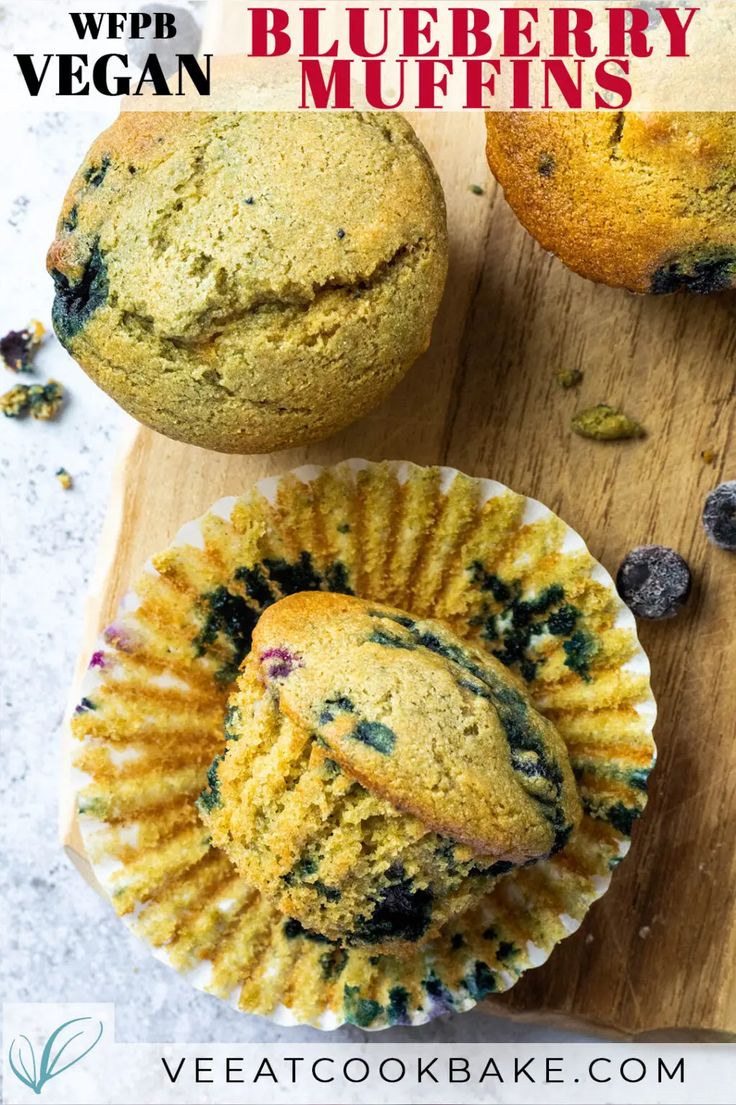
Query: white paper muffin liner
[503, 572]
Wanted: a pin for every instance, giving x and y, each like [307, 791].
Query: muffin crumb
[41, 401]
[569, 378]
[64, 478]
[605, 423]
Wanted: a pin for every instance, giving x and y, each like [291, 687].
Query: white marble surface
[60, 941]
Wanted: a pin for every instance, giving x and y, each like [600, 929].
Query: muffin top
[442, 731]
[643, 201]
[250, 280]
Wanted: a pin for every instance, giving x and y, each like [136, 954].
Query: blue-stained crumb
[440, 996]
[445, 852]
[85, 705]
[300, 871]
[210, 798]
[292, 578]
[329, 893]
[563, 621]
[579, 652]
[397, 1009]
[74, 304]
[303, 576]
[95, 175]
[70, 222]
[333, 963]
[639, 779]
[230, 615]
[512, 628]
[622, 817]
[480, 982]
[714, 271]
[256, 585]
[400, 913]
[360, 1011]
[375, 735]
[337, 579]
[293, 929]
[232, 719]
[341, 704]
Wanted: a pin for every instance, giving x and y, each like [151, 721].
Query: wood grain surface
[658, 954]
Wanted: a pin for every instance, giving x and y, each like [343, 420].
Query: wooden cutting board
[658, 954]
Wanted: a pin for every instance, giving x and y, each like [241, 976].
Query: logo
[64, 1043]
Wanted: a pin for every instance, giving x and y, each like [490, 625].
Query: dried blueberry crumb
[18, 347]
[457, 941]
[341, 234]
[654, 581]
[250, 201]
[719, 516]
[546, 165]
[476, 189]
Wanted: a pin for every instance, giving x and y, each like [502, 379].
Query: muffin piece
[382, 774]
[248, 281]
[643, 202]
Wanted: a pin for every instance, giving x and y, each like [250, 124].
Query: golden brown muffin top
[440, 730]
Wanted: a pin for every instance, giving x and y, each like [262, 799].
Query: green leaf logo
[35, 1075]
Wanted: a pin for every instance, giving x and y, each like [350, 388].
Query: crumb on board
[18, 347]
[64, 478]
[605, 423]
[569, 377]
[707, 456]
[644, 932]
[41, 401]
[476, 189]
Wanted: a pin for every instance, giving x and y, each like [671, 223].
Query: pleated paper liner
[503, 572]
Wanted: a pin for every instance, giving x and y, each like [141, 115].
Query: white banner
[67, 1054]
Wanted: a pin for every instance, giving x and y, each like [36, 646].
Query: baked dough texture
[250, 281]
[640, 201]
[380, 775]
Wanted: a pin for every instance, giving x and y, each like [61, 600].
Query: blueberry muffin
[249, 281]
[640, 201]
[379, 774]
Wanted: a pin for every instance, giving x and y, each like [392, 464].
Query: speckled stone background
[60, 942]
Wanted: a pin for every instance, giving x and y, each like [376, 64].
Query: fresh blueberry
[719, 516]
[654, 581]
